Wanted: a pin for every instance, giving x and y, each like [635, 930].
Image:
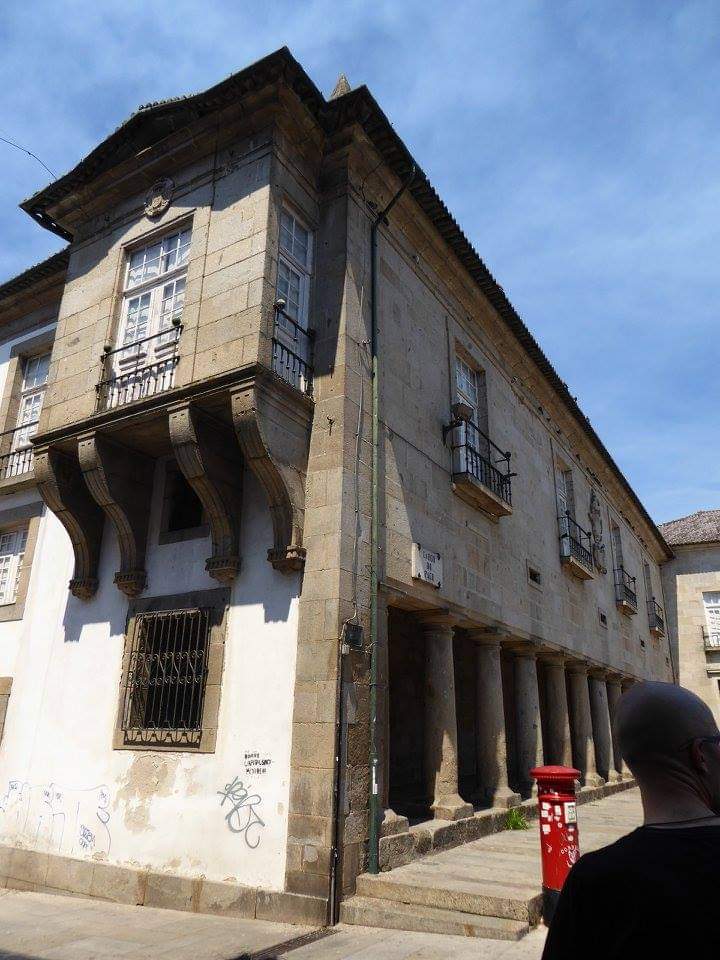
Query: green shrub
[516, 820]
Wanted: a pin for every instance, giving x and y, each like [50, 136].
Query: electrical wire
[30, 154]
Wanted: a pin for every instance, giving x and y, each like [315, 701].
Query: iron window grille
[575, 542]
[625, 587]
[474, 454]
[166, 678]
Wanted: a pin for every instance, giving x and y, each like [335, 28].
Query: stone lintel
[436, 619]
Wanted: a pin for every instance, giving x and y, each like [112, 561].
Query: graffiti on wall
[68, 821]
[241, 815]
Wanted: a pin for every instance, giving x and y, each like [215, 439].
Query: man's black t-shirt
[652, 894]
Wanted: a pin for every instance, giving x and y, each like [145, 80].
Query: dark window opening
[182, 507]
[166, 677]
[534, 576]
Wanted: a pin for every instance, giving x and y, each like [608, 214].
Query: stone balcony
[102, 465]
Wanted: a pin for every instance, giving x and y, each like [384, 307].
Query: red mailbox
[559, 840]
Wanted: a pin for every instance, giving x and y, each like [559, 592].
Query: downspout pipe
[375, 812]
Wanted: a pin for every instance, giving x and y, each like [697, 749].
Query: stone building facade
[187, 504]
[692, 588]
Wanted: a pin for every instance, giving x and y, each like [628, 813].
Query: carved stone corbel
[121, 483]
[208, 454]
[61, 486]
[273, 427]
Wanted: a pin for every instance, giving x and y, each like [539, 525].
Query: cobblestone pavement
[39, 926]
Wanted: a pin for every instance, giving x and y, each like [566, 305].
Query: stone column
[527, 719]
[558, 749]
[490, 736]
[441, 750]
[602, 733]
[583, 747]
[614, 692]
[392, 822]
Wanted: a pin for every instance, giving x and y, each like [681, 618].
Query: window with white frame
[711, 602]
[12, 552]
[144, 360]
[32, 394]
[294, 268]
[154, 289]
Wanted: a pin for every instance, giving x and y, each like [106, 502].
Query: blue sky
[576, 142]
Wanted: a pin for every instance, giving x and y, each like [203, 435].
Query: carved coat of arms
[158, 197]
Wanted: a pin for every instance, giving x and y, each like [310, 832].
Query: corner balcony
[480, 469]
[575, 548]
[16, 457]
[147, 405]
[625, 592]
[656, 618]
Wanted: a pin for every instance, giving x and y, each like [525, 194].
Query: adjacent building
[692, 587]
[256, 601]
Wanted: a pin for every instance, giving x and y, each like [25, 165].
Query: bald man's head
[655, 721]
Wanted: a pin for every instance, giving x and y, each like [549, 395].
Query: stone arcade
[185, 487]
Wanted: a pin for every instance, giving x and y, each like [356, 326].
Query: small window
[12, 553]
[166, 677]
[602, 617]
[534, 576]
[183, 517]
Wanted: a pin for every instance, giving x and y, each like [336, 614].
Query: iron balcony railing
[16, 456]
[625, 587]
[575, 542]
[292, 351]
[656, 616]
[139, 369]
[710, 640]
[474, 454]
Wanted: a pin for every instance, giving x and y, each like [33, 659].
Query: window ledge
[12, 484]
[472, 491]
[577, 569]
[626, 608]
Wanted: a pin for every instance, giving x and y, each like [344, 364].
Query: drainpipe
[373, 834]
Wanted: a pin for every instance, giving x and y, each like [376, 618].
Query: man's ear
[697, 756]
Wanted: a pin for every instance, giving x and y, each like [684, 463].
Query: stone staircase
[489, 888]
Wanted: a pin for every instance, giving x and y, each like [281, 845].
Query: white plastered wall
[64, 789]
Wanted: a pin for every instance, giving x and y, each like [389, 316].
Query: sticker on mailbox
[570, 812]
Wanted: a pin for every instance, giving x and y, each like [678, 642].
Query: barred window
[166, 677]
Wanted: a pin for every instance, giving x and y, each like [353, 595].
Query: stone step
[393, 915]
[486, 898]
